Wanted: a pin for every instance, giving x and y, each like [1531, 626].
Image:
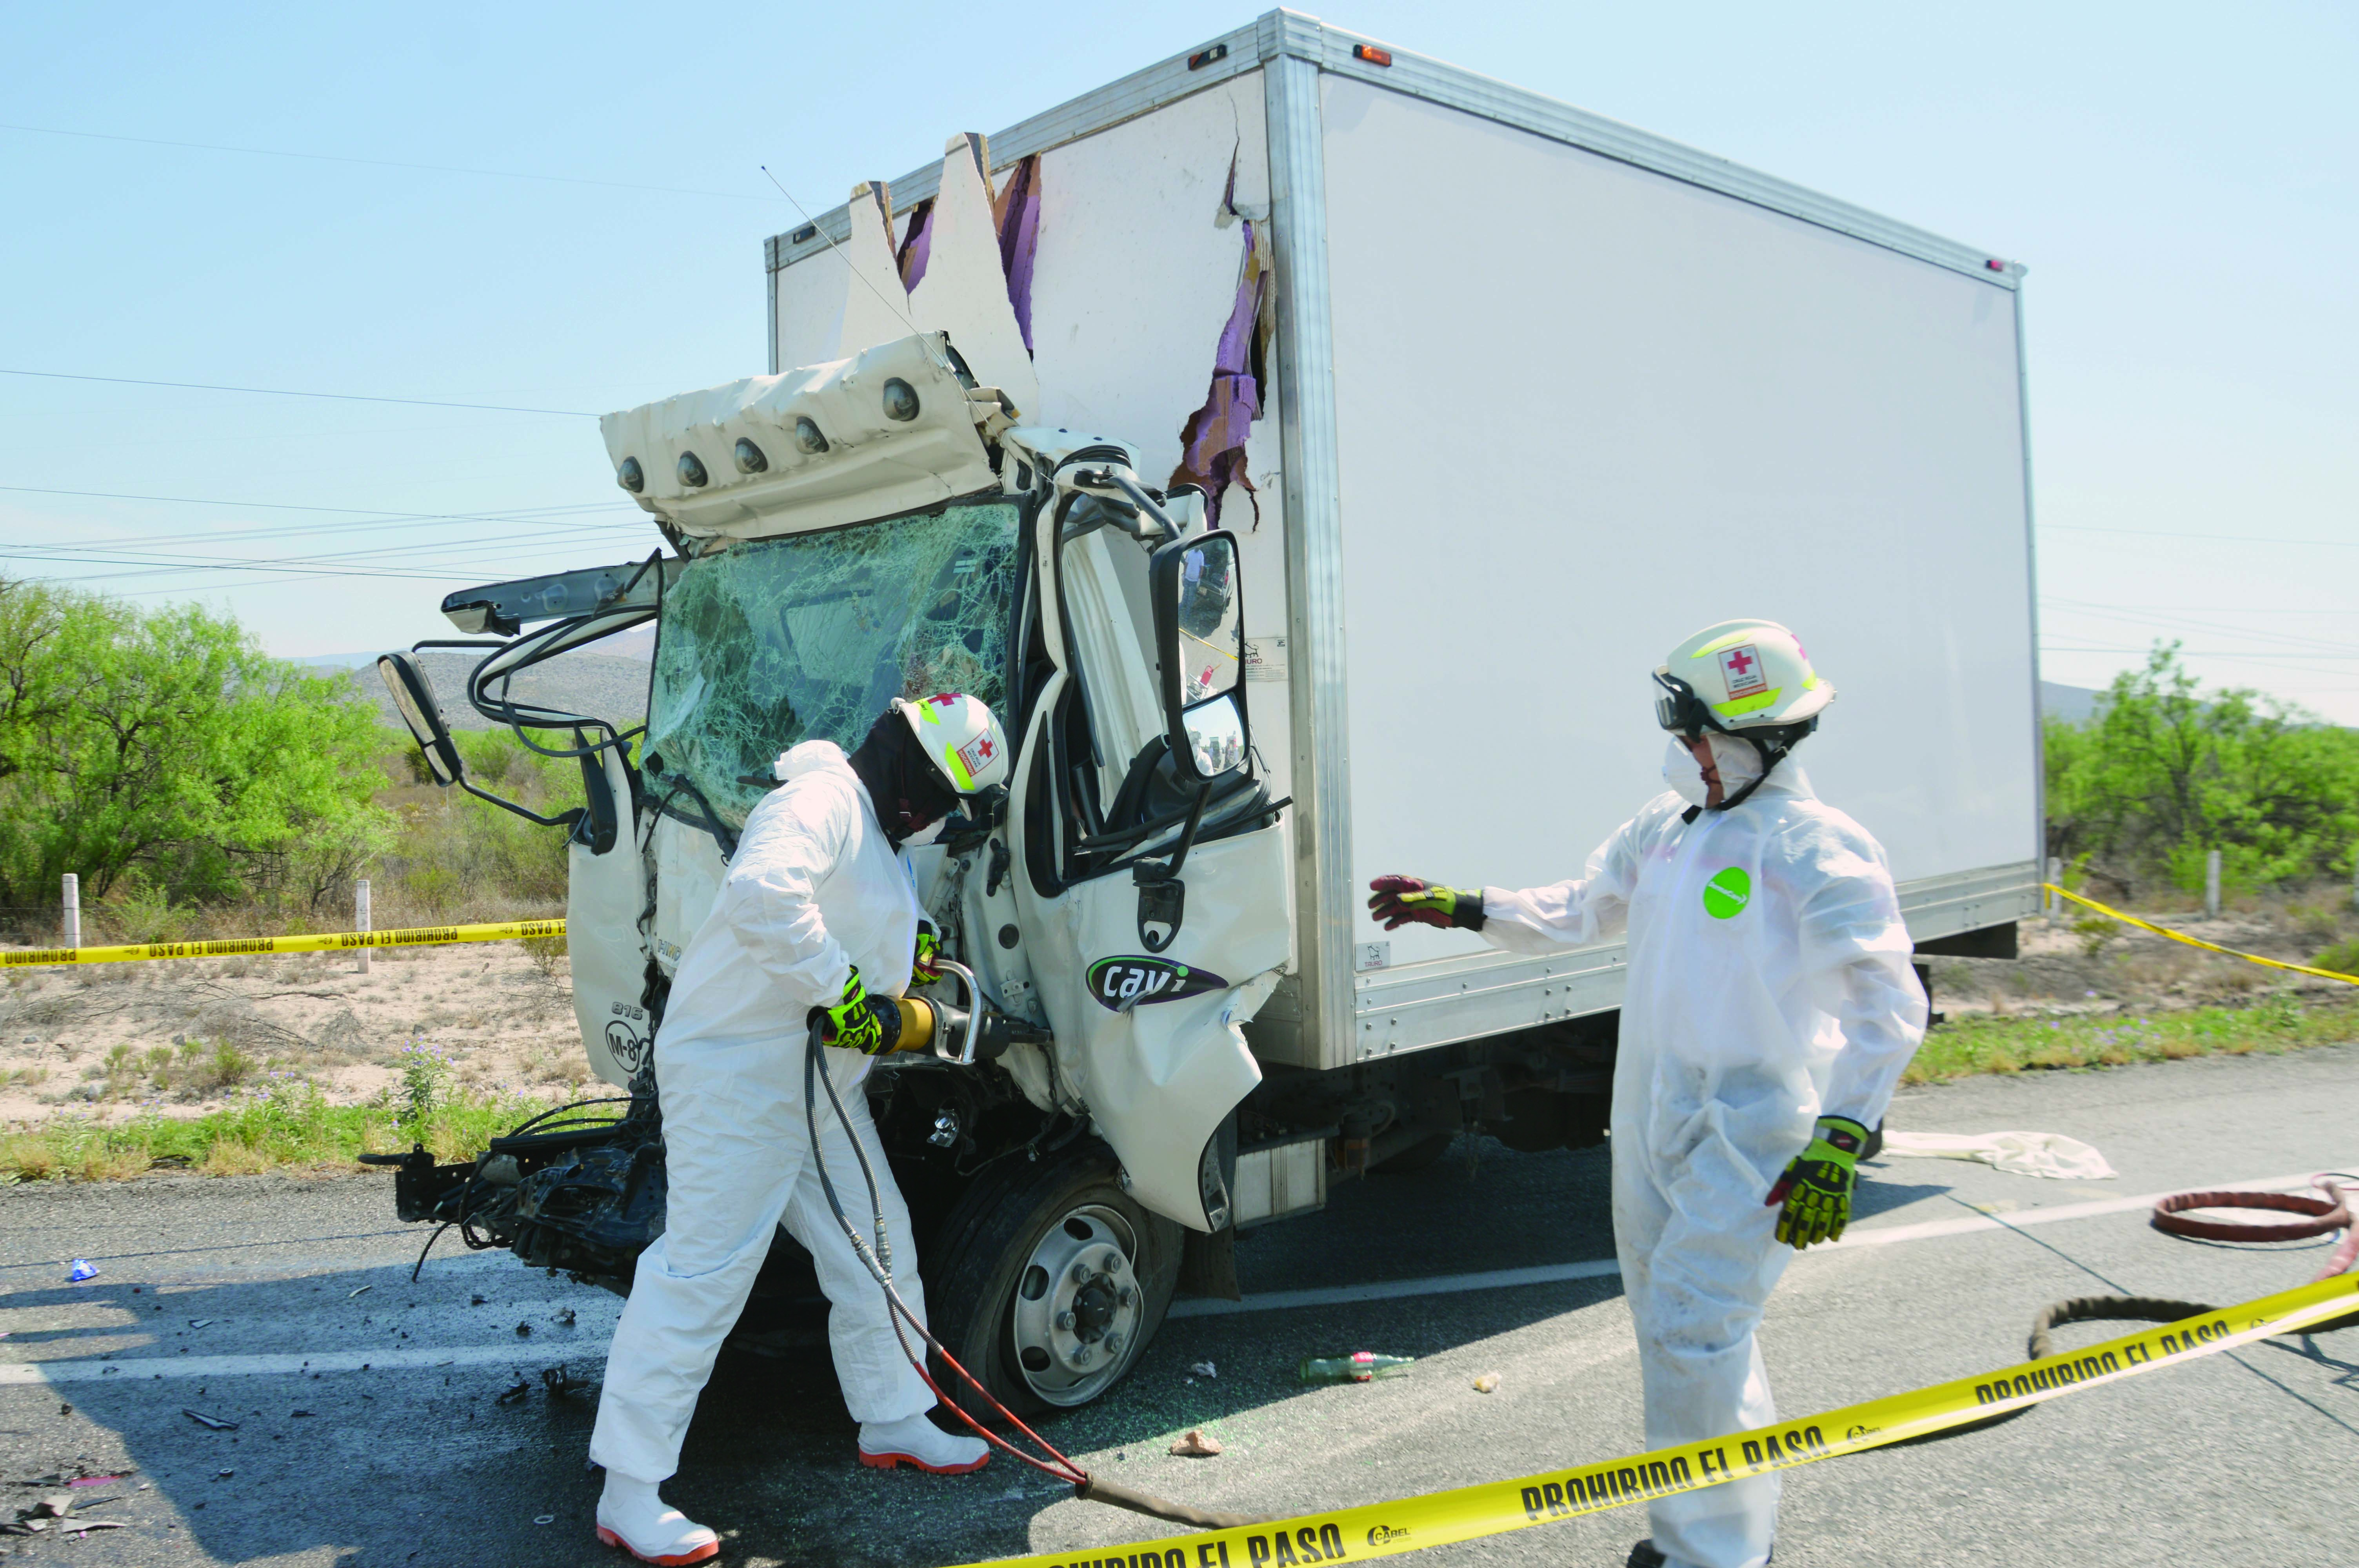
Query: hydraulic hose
[2322, 1216]
[879, 1260]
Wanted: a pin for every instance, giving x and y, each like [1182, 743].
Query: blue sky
[2180, 181]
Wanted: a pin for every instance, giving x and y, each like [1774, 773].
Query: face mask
[1737, 762]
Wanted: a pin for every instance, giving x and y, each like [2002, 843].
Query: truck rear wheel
[1047, 1282]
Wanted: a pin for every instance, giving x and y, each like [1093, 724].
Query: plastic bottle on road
[1358, 1368]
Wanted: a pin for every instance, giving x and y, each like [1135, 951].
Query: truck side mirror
[413, 698]
[1200, 647]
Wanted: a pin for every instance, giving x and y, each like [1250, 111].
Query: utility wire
[282, 392]
[247, 505]
[405, 523]
[2173, 533]
[384, 163]
[175, 561]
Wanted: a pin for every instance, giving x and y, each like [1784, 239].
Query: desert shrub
[161, 751]
[2167, 771]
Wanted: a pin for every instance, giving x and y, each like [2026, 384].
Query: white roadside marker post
[2055, 879]
[2211, 885]
[361, 916]
[71, 933]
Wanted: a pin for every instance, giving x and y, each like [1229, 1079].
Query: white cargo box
[1541, 394]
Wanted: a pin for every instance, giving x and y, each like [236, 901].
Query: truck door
[1144, 975]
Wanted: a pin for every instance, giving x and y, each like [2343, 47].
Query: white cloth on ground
[1769, 983]
[814, 889]
[2017, 1154]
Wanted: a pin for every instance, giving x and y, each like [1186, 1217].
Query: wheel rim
[1078, 1306]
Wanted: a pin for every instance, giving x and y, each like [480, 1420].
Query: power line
[391, 521]
[384, 163]
[2172, 534]
[2186, 624]
[244, 506]
[281, 392]
[176, 560]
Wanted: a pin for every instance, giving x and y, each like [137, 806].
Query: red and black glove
[1405, 900]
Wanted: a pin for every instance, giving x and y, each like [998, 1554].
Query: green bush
[2167, 771]
[162, 753]
[2342, 957]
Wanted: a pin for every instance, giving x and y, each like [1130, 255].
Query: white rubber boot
[918, 1441]
[632, 1516]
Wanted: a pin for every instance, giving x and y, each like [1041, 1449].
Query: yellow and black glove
[1817, 1185]
[924, 966]
[859, 1022]
[1405, 900]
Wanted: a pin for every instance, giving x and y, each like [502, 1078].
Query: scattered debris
[1197, 1445]
[101, 1480]
[82, 1269]
[566, 1317]
[543, 1518]
[224, 1475]
[1206, 1369]
[363, 1290]
[524, 1331]
[1488, 1383]
[515, 1393]
[201, 1322]
[56, 1505]
[478, 1299]
[81, 1525]
[1360, 1367]
[210, 1422]
[299, 1412]
[65, 1409]
[557, 1382]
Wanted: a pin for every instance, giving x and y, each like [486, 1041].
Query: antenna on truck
[901, 310]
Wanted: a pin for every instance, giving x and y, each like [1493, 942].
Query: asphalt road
[370, 1428]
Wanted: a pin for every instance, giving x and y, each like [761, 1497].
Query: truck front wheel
[1050, 1282]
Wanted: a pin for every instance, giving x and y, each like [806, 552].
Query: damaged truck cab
[1487, 399]
[844, 535]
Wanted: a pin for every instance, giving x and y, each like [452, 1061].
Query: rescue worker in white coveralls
[816, 914]
[1770, 1009]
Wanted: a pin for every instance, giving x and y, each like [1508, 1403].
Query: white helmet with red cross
[959, 733]
[1737, 676]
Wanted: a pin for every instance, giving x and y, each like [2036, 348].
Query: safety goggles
[1678, 707]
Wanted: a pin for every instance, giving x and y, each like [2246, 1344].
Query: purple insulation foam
[918, 247]
[1020, 240]
[1212, 442]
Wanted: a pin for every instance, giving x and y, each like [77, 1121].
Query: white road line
[1453, 1284]
[1391, 1290]
[142, 1368]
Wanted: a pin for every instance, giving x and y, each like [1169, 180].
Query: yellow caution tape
[2198, 942]
[329, 942]
[1467, 1513]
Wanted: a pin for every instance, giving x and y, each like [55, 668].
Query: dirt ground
[2086, 963]
[179, 1038]
[182, 1037]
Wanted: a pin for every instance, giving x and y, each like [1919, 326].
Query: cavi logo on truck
[1129, 981]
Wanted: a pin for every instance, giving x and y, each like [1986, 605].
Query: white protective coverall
[815, 888]
[1768, 985]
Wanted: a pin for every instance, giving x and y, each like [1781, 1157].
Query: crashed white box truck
[1309, 448]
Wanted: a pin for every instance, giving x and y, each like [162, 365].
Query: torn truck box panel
[963, 290]
[850, 298]
[1139, 213]
[1212, 443]
[1017, 213]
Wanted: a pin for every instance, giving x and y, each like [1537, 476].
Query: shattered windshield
[808, 637]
